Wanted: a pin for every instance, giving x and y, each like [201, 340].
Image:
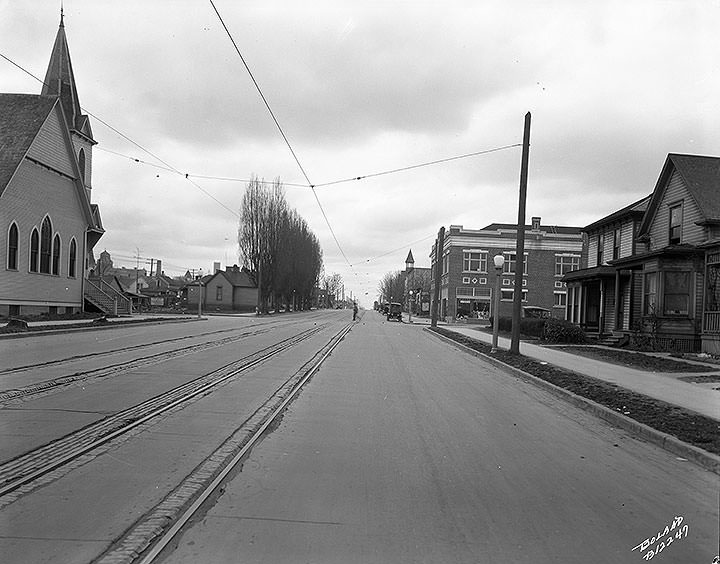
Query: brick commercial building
[469, 277]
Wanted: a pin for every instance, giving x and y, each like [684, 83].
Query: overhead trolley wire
[280, 129]
[167, 166]
[411, 167]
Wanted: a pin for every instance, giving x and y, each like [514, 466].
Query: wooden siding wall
[33, 193]
[211, 300]
[49, 147]
[245, 299]
[676, 191]
[592, 249]
[627, 242]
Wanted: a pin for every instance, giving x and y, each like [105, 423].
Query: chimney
[158, 268]
[536, 224]
[216, 267]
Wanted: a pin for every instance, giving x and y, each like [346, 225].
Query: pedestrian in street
[355, 310]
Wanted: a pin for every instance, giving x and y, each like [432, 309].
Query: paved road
[403, 449]
[75, 514]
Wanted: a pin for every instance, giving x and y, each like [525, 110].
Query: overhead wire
[167, 166]
[280, 129]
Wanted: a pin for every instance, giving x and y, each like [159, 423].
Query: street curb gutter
[90, 327]
[705, 459]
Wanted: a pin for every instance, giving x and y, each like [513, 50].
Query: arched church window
[12, 250]
[81, 163]
[34, 250]
[45, 245]
[56, 255]
[72, 261]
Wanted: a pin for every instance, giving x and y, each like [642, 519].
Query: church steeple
[409, 262]
[60, 81]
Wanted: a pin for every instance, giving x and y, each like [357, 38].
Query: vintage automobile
[394, 311]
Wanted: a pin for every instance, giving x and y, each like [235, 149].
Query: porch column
[601, 320]
[617, 323]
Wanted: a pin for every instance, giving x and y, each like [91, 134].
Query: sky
[364, 88]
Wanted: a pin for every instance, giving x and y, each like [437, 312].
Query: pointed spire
[59, 79]
[410, 259]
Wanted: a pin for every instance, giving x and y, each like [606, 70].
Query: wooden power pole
[520, 245]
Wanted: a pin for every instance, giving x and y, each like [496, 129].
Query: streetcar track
[148, 538]
[15, 395]
[34, 464]
[69, 359]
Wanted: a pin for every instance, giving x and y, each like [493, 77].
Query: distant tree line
[278, 248]
[392, 287]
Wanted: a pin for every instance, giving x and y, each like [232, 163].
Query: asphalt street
[404, 449]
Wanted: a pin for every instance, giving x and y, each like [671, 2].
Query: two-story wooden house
[666, 276]
[599, 294]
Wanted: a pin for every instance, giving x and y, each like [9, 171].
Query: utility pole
[520, 245]
[438, 273]
[137, 268]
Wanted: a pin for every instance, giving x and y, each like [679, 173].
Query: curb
[90, 327]
[706, 460]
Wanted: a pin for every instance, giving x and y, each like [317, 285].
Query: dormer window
[675, 228]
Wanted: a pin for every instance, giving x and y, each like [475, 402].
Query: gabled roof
[236, 276]
[21, 117]
[636, 209]
[701, 175]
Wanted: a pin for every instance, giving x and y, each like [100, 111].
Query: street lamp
[499, 261]
[410, 297]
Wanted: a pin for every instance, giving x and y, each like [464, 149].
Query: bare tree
[392, 287]
[277, 247]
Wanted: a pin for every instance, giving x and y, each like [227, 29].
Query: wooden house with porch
[653, 268]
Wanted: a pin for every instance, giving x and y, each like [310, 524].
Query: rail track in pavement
[25, 472]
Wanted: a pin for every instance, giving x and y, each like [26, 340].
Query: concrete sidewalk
[700, 398]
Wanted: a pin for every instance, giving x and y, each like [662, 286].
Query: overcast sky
[366, 87]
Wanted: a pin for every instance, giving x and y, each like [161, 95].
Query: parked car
[536, 311]
[394, 311]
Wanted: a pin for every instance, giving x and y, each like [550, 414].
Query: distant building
[227, 290]
[48, 223]
[468, 276]
[417, 281]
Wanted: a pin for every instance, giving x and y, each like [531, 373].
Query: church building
[48, 223]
